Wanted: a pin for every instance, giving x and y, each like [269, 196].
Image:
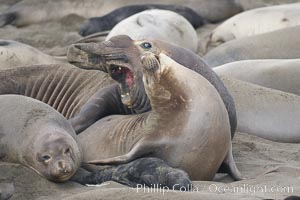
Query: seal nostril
[67, 151]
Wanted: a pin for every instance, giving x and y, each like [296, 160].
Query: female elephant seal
[279, 74]
[35, 11]
[258, 47]
[35, 135]
[14, 54]
[108, 21]
[160, 25]
[187, 130]
[257, 21]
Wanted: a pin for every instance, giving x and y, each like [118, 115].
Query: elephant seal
[36, 136]
[160, 25]
[172, 130]
[36, 11]
[118, 57]
[63, 87]
[108, 21]
[258, 47]
[148, 172]
[265, 112]
[257, 21]
[276, 74]
[250, 4]
[14, 54]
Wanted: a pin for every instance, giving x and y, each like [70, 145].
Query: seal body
[257, 21]
[172, 130]
[279, 74]
[108, 21]
[265, 112]
[14, 54]
[35, 135]
[258, 47]
[158, 24]
[35, 11]
[250, 4]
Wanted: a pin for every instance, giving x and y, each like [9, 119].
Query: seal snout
[62, 170]
[150, 63]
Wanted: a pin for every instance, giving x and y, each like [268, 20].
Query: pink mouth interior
[129, 78]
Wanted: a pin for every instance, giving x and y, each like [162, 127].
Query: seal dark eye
[46, 157]
[146, 45]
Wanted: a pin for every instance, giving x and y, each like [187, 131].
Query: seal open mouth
[125, 77]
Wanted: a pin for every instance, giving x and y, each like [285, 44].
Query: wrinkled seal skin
[172, 130]
[123, 53]
[149, 172]
[108, 21]
[36, 136]
[63, 87]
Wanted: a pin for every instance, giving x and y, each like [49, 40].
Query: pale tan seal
[15, 54]
[279, 74]
[265, 112]
[256, 21]
[262, 46]
[35, 135]
[159, 25]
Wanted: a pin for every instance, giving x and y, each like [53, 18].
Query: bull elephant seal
[258, 47]
[108, 21]
[36, 11]
[63, 87]
[36, 136]
[171, 130]
[257, 21]
[14, 54]
[160, 25]
[276, 74]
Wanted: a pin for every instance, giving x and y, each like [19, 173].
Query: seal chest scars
[35, 135]
[187, 130]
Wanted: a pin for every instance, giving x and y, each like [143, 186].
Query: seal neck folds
[166, 87]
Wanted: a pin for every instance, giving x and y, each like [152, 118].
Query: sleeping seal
[279, 74]
[14, 54]
[263, 46]
[36, 11]
[160, 25]
[108, 21]
[257, 21]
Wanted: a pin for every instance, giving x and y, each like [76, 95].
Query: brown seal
[120, 57]
[35, 135]
[172, 130]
